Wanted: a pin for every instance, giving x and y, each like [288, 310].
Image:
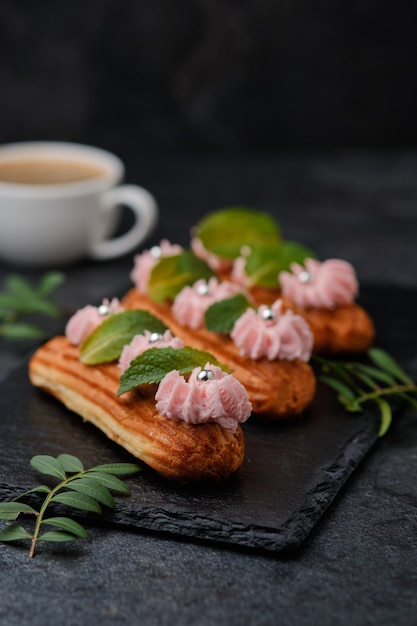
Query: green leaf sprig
[79, 488]
[21, 298]
[152, 365]
[358, 384]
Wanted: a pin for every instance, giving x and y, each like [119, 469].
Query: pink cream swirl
[141, 343]
[191, 303]
[209, 395]
[270, 333]
[239, 274]
[324, 284]
[85, 320]
[146, 261]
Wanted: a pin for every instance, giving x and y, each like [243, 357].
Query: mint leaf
[220, 317]
[151, 366]
[266, 261]
[173, 273]
[106, 342]
[225, 231]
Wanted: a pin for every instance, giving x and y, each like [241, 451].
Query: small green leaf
[376, 374]
[67, 524]
[111, 482]
[386, 416]
[106, 342]
[21, 330]
[92, 488]
[118, 469]
[338, 386]
[266, 261]
[77, 500]
[386, 362]
[341, 370]
[39, 488]
[39, 305]
[220, 317]
[19, 286]
[48, 465]
[50, 282]
[225, 231]
[151, 366]
[14, 533]
[10, 510]
[10, 302]
[30, 299]
[172, 273]
[366, 379]
[57, 536]
[70, 463]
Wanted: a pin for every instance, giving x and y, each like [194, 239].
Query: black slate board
[291, 473]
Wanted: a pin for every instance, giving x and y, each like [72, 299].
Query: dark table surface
[359, 564]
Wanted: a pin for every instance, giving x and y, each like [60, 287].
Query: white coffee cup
[61, 202]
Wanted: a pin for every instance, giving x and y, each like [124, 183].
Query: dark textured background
[222, 75]
[232, 78]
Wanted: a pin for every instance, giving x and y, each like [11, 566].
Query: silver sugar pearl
[156, 252]
[104, 309]
[154, 337]
[203, 289]
[205, 375]
[304, 276]
[268, 314]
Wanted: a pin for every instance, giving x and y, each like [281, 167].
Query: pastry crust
[276, 388]
[345, 329]
[176, 450]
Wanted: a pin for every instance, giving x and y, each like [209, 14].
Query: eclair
[186, 428]
[322, 292]
[272, 363]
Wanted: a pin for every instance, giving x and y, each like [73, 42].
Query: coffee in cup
[61, 202]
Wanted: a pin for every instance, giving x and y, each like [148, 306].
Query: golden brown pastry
[175, 449]
[255, 254]
[343, 329]
[276, 388]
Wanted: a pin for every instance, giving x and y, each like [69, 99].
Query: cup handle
[143, 205]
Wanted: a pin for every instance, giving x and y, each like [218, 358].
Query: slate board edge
[288, 538]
